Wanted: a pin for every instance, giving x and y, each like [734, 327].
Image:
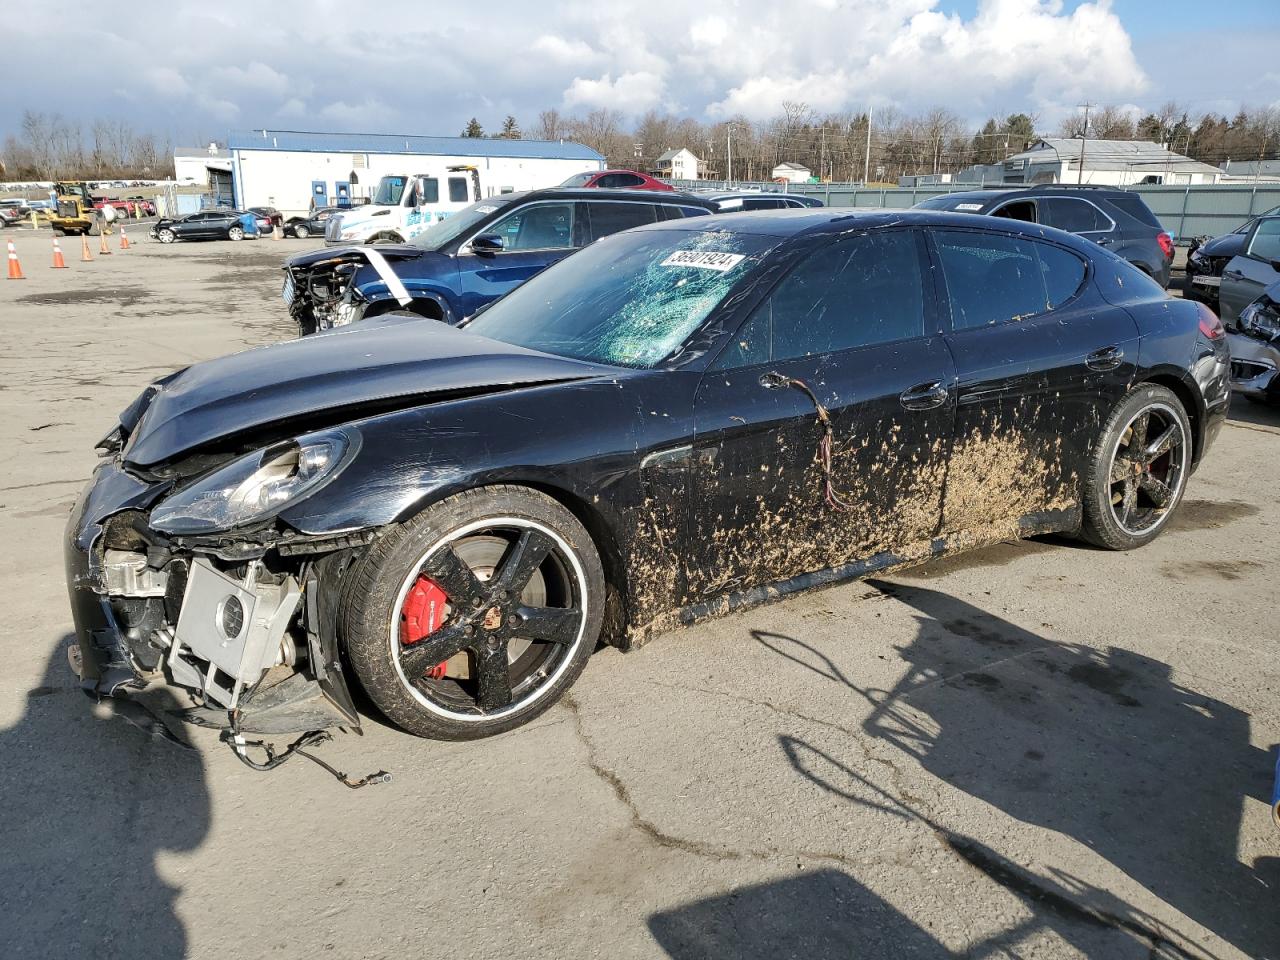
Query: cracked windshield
[629, 300]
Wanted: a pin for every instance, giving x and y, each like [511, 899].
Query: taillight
[1166, 244]
[1210, 325]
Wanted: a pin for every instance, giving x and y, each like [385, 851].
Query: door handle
[924, 396]
[1108, 358]
[1105, 241]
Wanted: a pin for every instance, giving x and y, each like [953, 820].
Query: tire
[59, 232]
[165, 235]
[301, 232]
[94, 228]
[235, 233]
[1130, 490]
[461, 697]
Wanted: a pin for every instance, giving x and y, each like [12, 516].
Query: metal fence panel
[1185, 211]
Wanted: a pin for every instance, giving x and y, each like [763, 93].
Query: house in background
[1115, 163]
[792, 172]
[680, 164]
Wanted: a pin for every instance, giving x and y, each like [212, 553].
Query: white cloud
[631, 93]
[249, 62]
[562, 50]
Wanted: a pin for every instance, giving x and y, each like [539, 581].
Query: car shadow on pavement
[819, 915]
[88, 805]
[1101, 746]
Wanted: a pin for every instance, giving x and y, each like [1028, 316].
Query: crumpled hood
[370, 363]
[392, 251]
[1227, 245]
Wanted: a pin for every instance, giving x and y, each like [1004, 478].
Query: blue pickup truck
[457, 265]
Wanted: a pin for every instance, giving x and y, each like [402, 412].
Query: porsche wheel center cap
[492, 619]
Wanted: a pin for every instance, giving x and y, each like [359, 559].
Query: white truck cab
[405, 205]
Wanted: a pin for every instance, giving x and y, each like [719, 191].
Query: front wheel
[301, 232]
[475, 616]
[1138, 470]
[165, 235]
[235, 233]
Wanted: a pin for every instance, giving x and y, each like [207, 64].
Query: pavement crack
[715, 852]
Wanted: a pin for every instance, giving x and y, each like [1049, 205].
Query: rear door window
[1073, 215]
[856, 292]
[609, 218]
[992, 278]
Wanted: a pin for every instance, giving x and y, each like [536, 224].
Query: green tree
[473, 129]
[510, 129]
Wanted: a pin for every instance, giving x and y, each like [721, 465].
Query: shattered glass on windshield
[629, 300]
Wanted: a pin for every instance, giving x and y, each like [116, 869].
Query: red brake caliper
[422, 613]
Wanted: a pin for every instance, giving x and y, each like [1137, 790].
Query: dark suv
[1114, 218]
[460, 264]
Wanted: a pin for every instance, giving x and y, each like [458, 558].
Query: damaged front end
[320, 295]
[321, 291]
[1255, 350]
[245, 623]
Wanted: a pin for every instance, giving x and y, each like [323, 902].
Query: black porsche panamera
[678, 421]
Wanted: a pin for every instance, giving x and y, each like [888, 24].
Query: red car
[615, 179]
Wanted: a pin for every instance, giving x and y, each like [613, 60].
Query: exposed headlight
[256, 486]
[1196, 258]
[1260, 320]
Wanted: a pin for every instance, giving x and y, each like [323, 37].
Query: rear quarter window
[1137, 208]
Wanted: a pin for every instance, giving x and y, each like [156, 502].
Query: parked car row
[584, 447]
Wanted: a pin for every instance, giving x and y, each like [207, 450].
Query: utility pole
[728, 139]
[866, 163]
[1084, 136]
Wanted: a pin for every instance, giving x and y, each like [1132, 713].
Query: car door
[1251, 271]
[190, 227]
[849, 337]
[1041, 360]
[534, 236]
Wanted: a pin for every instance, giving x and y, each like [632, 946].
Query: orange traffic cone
[124, 239]
[15, 268]
[103, 249]
[58, 262]
[85, 255]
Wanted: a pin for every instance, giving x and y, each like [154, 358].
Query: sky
[198, 70]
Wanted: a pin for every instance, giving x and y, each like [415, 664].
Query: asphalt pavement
[1036, 750]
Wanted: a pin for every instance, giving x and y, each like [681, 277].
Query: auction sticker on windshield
[704, 259]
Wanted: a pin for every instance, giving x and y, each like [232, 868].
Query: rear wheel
[1138, 470]
[235, 233]
[475, 616]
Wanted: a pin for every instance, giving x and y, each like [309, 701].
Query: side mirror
[1275, 265]
[488, 243]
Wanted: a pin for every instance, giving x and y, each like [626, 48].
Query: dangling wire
[833, 499]
[239, 746]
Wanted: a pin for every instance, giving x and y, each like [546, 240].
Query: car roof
[596, 193]
[1035, 190]
[836, 220]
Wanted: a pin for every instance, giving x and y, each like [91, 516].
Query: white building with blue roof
[295, 170]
